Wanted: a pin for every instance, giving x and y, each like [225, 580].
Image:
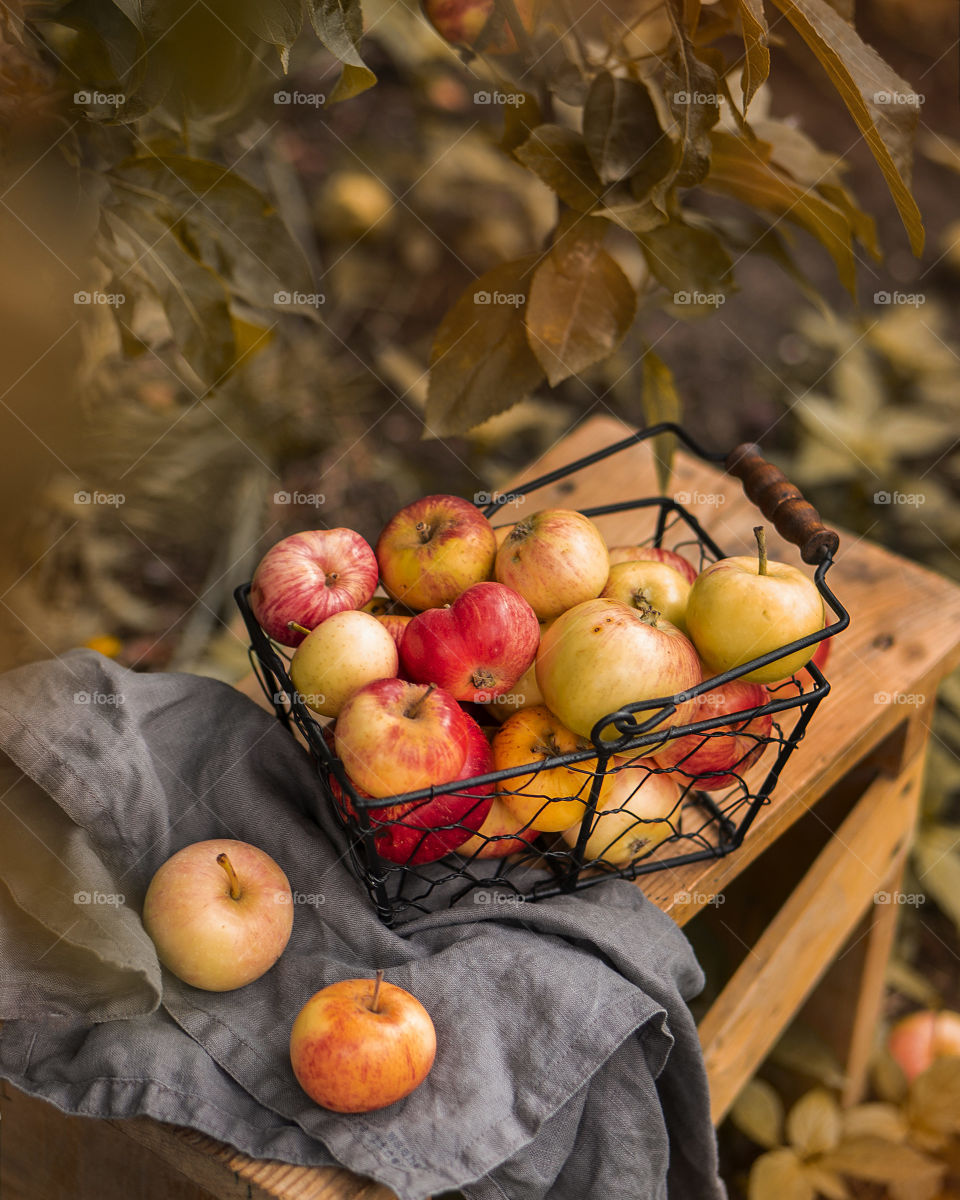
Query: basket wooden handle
[781, 502]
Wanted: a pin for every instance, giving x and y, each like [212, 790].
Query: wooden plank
[792, 954]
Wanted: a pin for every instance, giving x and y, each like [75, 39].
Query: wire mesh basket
[634, 798]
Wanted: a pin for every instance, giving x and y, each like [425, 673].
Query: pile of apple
[550, 631]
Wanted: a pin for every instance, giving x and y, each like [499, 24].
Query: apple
[649, 584]
[394, 624]
[359, 1045]
[620, 554]
[708, 758]
[551, 799]
[393, 736]
[477, 24]
[502, 833]
[917, 1041]
[602, 655]
[425, 830]
[638, 809]
[821, 653]
[219, 914]
[434, 549]
[555, 559]
[349, 649]
[308, 577]
[742, 607]
[475, 649]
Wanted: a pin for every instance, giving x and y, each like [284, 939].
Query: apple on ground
[638, 809]
[621, 554]
[361, 1044]
[742, 607]
[348, 650]
[711, 758]
[475, 649]
[648, 584]
[602, 655]
[434, 549]
[393, 736]
[308, 577]
[548, 800]
[425, 830]
[219, 913]
[917, 1041]
[502, 833]
[555, 559]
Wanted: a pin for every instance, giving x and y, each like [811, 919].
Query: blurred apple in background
[434, 549]
[550, 799]
[555, 559]
[620, 554]
[637, 810]
[361, 1044]
[220, 913]
[348, 650]
[650, 584]
[917, 1041]
[475, 649]
[393, 736]
[308, 577]
[708, 758]
[479, 24]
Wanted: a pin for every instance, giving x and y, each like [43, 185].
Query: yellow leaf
[826, 1183]
[660, 403]
[813, 1124]
[875, 1120]
[756, 61]
[933, 1105]
[779, 1175]
[758, 1112]
[879, 1161]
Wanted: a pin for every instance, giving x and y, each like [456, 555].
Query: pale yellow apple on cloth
[567, 1063]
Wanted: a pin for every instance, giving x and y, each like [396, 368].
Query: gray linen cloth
[568, 1064]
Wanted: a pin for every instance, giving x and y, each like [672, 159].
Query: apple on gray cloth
[567, 1065]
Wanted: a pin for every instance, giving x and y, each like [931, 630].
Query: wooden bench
[809, 897]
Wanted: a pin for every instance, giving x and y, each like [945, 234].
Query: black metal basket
[693, 821]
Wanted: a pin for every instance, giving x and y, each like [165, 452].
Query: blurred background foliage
[279, 269]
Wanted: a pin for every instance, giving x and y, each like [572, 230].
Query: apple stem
[298, 628]
[227, 865]
[760, 534]
[424, 531]
[375, 1002]
[414, 709]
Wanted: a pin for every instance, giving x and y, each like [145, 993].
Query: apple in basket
[502, 833]
[621, 554]
[219, 913]
[637, 810]
[308, 577]
[346, 651]
[477, 648]
[710, 758]
[361, 1044]
[555, 559]
[740, 608]
[425, 830]
[434, 549]
[647, 584]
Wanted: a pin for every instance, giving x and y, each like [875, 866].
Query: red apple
[393, 736]
[359, 1045]
[395, 624]
[602, 655]
[477, 648]
[502, 833]
[219, 913]
[638, 809]
[348, 650]
[434, 549]
[477, 23]
[917, 1041]
[555, 559]
[708, 758]
[822, 653]
[740, 608]
[621, 554]
[426, 830]
[308, 577]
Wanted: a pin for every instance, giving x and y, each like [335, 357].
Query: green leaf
[779, 1175]
[660, 403]
[228, 223]
[873, 93]
[559, 156]
[481, 362]
[339, 25]
[581, 304]
[813, 1124]
[756, 62]
[194, 299]
[622, 133]
[688, 259]
[758, 1113]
